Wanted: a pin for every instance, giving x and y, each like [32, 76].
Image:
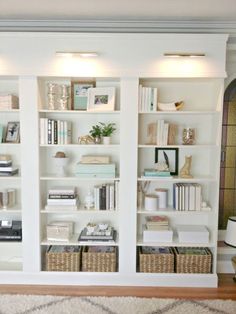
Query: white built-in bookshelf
[198, 82]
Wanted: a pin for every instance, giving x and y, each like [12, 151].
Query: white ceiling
[202, 10]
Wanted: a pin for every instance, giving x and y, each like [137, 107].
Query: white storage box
[192, 234]
[60, 230]
[157, 235]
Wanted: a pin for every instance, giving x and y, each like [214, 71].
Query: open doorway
[227, 201]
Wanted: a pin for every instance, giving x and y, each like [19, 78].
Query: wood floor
[226, 290]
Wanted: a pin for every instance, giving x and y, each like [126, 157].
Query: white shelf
[73, 178]
[10, 110]
[14, 177]
[177, 179]
[81, 145]
[74, 241]
[181, 112]
[79, 112]
[171, 211]
[79, 211]
[200, 146]
[175, 242]
[12, 210]
[10, 144]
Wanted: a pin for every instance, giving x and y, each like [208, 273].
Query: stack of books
[6, 168]
[8, 101]
[157, 229]
[62, 197]
[108, 234]
[151, 172]
[187, 196]
[106, 196]
[55, 131]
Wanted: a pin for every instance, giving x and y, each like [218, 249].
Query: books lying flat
[84, 236]
[61, 207]
[62, 201]
[192, 233]
[154, 173]
[58, 190]
[9, 173]
[157, 235]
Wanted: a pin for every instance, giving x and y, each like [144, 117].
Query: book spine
[49, 131]
[103, 198]
[107, 197]
[61, 196]
[55, 132]
[111, 197]
[117, 195]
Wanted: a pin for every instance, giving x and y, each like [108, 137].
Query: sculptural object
[185, 170]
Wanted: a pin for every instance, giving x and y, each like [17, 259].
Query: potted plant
[96, 133]
[106, 131]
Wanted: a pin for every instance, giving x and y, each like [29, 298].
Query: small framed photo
[170, 156]
[79, 94]
[101, 99]
[13, 132]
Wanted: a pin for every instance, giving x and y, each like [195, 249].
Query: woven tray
[156, 262]
[193, 263]
[63, 261]
[99, 261]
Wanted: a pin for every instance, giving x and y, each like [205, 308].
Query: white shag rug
[33, 304]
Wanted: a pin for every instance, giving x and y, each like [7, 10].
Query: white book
[186, 193]
[107, 196]
[198, 196]
[140, 98]
[165, 133]
[72, 201]
[191, 197]
[117, 183]
[52, 132]
[155, 99]
[61, 207]
[45, 130]
[111, 197]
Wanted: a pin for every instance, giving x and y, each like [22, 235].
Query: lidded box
[60, 230]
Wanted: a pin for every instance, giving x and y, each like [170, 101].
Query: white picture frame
[101, 99]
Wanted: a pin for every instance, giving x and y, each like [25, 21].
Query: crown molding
[118, 26]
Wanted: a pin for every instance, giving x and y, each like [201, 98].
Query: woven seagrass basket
[99, 261]
[156, 262]
[194, 263]
[63, 261]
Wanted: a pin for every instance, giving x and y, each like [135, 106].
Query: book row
[187, 196]
[147, 99]
[55, 131]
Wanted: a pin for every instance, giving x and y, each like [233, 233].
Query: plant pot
[97, 140]
[106, 140]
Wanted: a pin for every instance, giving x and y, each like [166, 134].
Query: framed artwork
[170, 156]
[80, 94]
[13, 132]
[101, 99]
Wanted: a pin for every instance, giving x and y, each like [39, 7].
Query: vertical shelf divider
[28, 98]
[128, 174]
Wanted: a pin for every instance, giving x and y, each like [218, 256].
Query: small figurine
[185, 170]
[86, 139]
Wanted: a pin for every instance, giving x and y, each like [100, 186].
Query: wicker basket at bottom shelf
[156, 262]
[194, 263]
[63, 261]
[99, 261]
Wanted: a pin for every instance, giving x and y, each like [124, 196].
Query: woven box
[63, 258]
[99, 259]
[156, 260]
[195, 262]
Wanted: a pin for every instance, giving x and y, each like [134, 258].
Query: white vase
[106, 140]
[60, 164]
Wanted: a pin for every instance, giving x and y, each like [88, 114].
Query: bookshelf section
[72, 158]
[177, 174]
[10, 183]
